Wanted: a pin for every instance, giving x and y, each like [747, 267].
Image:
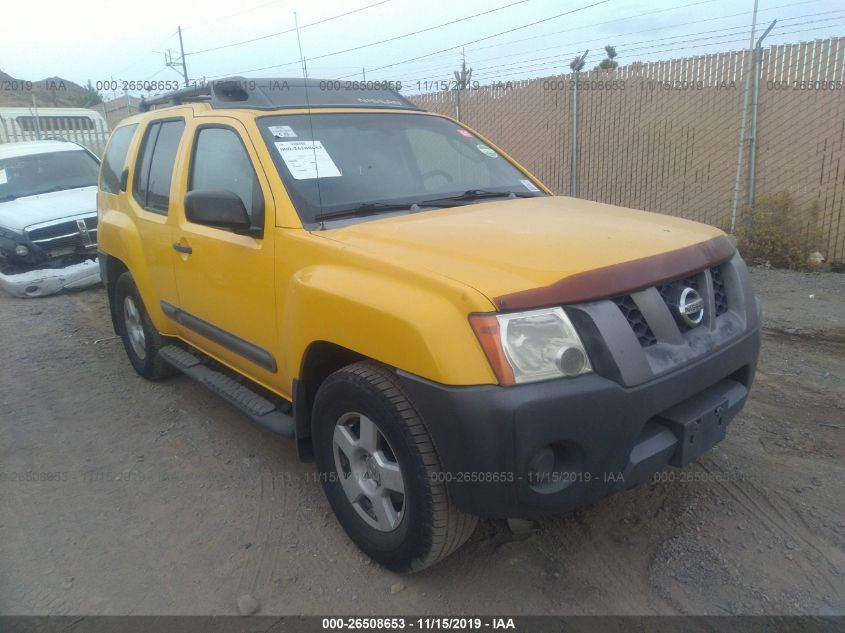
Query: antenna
[310, 120]
[301, 56]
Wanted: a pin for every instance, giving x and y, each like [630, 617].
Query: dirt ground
[120, 496]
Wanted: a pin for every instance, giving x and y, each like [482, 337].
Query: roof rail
[282, 93]
[201, 92]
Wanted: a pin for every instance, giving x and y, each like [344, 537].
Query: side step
[257, 408]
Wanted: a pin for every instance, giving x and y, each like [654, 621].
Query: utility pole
[176, 63]
[182, 50]
[576, 65]
[735, 200]
[752, 146]
[364, 74]
[462, 78]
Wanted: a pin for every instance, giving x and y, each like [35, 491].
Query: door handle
[182, 248]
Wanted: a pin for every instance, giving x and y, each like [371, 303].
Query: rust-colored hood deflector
[610, 281]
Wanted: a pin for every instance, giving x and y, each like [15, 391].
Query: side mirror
[124, 179]
[221, 209]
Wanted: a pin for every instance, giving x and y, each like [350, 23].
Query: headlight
[530, 346]
[21, 250]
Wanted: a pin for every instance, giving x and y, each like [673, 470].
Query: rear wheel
[380, 470]
[141, 340]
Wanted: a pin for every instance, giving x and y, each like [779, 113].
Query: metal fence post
[573, 149]
[37, 119]
[576, 66]
[752, 147]
[735, 199]
[456, 98]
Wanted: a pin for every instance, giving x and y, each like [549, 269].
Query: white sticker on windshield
[281, 131]
[3, 179]
[307, 159]
[529, 185]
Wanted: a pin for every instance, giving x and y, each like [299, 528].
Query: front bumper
[47, 281]
[605, 436]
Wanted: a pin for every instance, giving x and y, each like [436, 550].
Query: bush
[776, 231]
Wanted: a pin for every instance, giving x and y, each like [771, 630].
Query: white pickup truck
[48, 217]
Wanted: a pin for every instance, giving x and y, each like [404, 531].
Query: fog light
[540, 467]
[21, 250]
[570, 361]
[556, 467]
[543, 461]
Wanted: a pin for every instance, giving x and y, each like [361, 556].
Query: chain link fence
[664, 136]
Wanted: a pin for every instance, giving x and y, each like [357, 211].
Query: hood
[23, 212]
[509, 247]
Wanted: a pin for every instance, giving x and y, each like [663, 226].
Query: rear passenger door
[150, 200]
[111, 184]
[225, 279]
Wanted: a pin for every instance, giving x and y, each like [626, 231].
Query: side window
[155, 165]
[115, 158]
[221, 162]
[142, 165]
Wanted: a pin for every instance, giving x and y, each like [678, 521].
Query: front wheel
[380, 470]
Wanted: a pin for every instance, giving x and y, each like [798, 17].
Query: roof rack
[282, 93]
[177, 97]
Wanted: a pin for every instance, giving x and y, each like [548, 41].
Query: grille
[63, 235]
[54, 231]
[636, 320]
[719, 295]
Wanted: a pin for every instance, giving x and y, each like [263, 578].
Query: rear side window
[115, 158]
[221, 162]
[155, 165]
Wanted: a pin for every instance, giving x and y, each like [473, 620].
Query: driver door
[225, 280]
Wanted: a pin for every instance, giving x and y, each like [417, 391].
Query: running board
[258, 408]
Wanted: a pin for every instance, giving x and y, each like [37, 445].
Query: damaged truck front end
[48, 219]
[50, 256]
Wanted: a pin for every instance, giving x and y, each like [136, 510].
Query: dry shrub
[778, 232]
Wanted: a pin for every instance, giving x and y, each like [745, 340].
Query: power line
[587, 26]
[138, 59]
[220, 18]
[487, 37]
[564, 64]
[590, 41]
[390, 39]
[632, 46]
[580, 28]
[425, 30]
[265, 37]
[593, 41]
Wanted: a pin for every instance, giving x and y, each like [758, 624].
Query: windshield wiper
[476, 194]
[368, 208]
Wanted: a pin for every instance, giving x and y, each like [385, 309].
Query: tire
[363, 406]
[141, 340]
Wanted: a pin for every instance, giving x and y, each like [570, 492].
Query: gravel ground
[160, 499]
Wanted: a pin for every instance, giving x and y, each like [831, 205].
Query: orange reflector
[486, 328]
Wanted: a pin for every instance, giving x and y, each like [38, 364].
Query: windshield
[32, 174]
[366, 163]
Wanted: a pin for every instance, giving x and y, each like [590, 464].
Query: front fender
[419, 327]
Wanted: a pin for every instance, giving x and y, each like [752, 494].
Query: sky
[127, 41]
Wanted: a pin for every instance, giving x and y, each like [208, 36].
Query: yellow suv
[445, 337]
